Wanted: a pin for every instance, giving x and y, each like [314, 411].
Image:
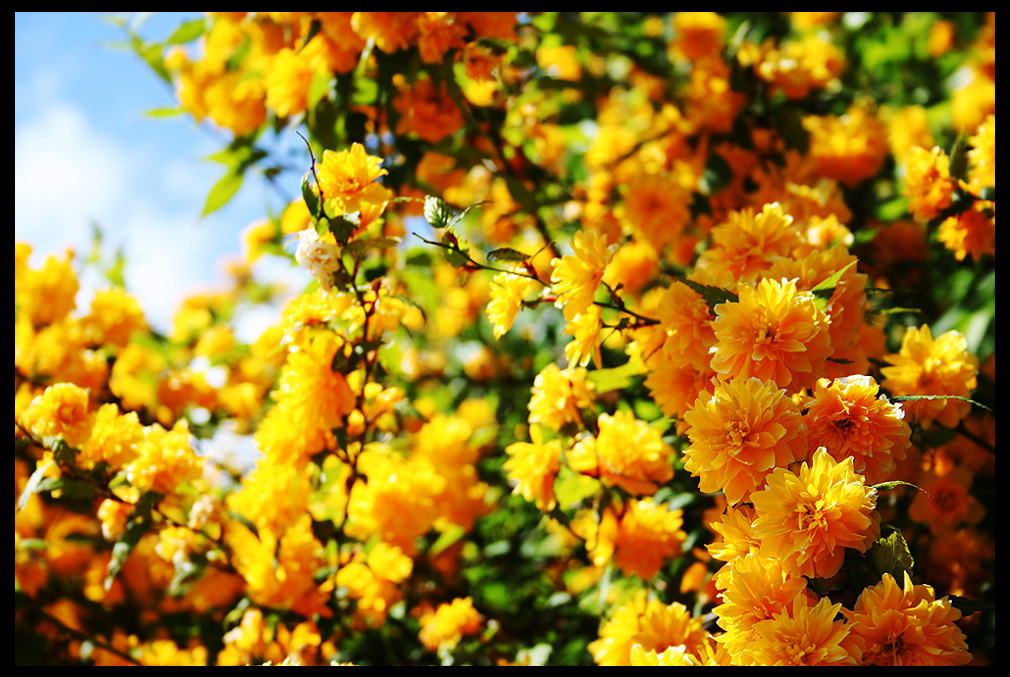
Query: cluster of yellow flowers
[671, 377]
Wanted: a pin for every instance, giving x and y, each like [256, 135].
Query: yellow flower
[928, 184]
[648, 535]
[805, 635]
[807, 520]
[848, 418]
[773, 332]
[533, 467]
[348, 182]
[754, 589]
[165, 460]
[653, 626]
[115, 438]
[627, 453]
[445, 627]
[576, 276]
[850, 148]
[60, 414]
[796, 67]
[740, 433]
[928, 367]
[907, 626]
[508, 292]
[585, 328]
[559, 396]
[945, 501]
[746, 244]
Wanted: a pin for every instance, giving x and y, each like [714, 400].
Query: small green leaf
[310, 196]
[712, 296]
[505, 254]
[615, 378]
[912, 398]
[438, 213]
[365, 244]
[222, 192]
[823, 291]
[164, 112]
[187, 32]
[34, 484]
[890, 555]
[887, 486]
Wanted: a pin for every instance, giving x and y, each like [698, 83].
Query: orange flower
[627, 453]
[945, 500]
[739, 434]
[850, 148]
[928, 367]
[746, 244]
[805, 635]
[972, 233]
[773, 332]
[653, 626]
[928, 184]
[648, 534]
[807, 520]
[848, 418]
[754, 589]
[907, 626]
[445, 627]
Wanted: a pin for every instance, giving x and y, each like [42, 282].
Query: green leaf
[438, 213]
[138, 524]
[912, 398]
[615, 378]
[505, 254]
[890, 555]
[164, 112]
[222, 192]
[712, 296]
[969, 606]
[310, 196]
[34, 484]
[187, 32]
[894, 484]
[823, 291]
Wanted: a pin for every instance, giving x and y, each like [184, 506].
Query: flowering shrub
[630, 339]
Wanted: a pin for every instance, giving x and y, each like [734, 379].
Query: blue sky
[86, 153]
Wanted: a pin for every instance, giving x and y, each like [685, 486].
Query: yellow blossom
[576, 276]
[808, 519]
[927, 367]
[533, 466]
[508, 291]
[559, 396]
[848, 418]
[445, 627]
[740, 433]
[653, 626]
[627, 453]
[773, 332]
[60, 414]
[907, 625]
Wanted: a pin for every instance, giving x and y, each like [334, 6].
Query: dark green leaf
[309, 195]
[890, 555]
[505, 254]
[713, 296]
